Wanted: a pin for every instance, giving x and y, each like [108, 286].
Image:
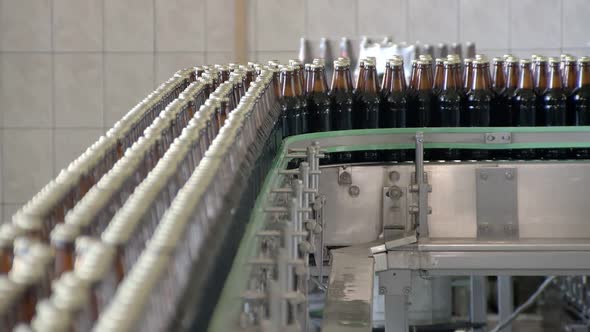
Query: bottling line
[196, 213]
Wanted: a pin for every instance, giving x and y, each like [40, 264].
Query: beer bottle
[360, 79]
[394, 106]
[341, 103]
[318, 102]
[438, 76]
[523, 102]
[450, 101]
[291, 107]
[301, 95]
[500, 116]
[298, 70]
[479, 103]
[307, 78]
[367, 107]
[581, 102]
[423, 99]
[386, 82]
[413, 75]
[467, 74]
[540, 75]
[570, 80]
[554, 105]
[511, 65]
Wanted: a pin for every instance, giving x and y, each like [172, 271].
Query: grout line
[53, 121]
[407, 10]
[154, 45]
[561, 27]
[204, 20]
[459, 21]
[104, 73]
[509, 37]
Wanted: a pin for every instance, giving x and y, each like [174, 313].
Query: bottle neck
[340, 81]
[398, 80]
[413, 76]
[499, 77]
[439, 74]
[361, 78]
[480, 79]
[468, 75]
[298, 83]
[319, 81]
[288, 85]
[423, 78]
[525, 81]
[570, 78]
[541, 76]
[512, 78]
[386, 82]
[370, 84]
[450, 79]
[555, 77]
[584, 79]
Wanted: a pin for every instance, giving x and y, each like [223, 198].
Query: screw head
[394, 176]
[395, 192]
[382, 290]
[354, 191]
[345, 177]
[509, 175]
[490, 138]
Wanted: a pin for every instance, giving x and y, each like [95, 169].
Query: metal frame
[503, 259]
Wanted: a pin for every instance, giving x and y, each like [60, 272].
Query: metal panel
[492, 262]
[552, 200]
[496, 203]
[349, 301]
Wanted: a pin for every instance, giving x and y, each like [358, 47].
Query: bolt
[395, 192]
[509, 175]
[490, 138]
[394, 176]
[382, 290]
[345, 178]
[407, 290]
[354, 191]
[483, 175]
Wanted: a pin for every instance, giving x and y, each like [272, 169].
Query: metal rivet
[354, 191]
[509, 175]
[394, 176]
[490, 138]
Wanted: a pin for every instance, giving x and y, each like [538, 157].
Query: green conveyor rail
[229, 306]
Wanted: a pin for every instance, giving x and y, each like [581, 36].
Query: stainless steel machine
[378, 232]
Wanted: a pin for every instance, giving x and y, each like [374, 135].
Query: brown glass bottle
[580, 99]
[524, 105]
[360, 79]
[341, 103]
[467, 74]
[386, 82]
[554, 105]
[570, 81]
[303, 100]
[413, 75]
[318, 102]
[291, 107]
[479, 103]
[512, 75]
[438, 76]
[367, 105]
[422, 98]
[540, 73]
[307, 78]
[450, 101]
[394, 106]
[500, 116]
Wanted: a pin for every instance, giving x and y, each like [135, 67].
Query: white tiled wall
[70, 68]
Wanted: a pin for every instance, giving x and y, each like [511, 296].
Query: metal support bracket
[496, 203]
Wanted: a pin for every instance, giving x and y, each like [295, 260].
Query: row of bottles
[473, 93]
